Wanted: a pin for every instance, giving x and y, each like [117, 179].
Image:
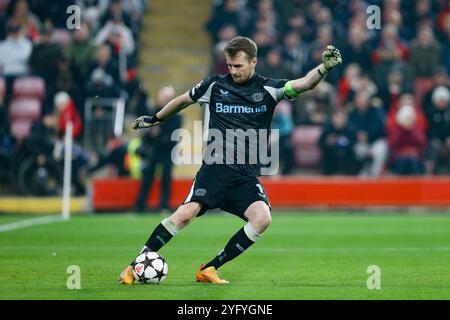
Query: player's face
[240, 67]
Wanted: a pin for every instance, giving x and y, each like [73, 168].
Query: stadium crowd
[386, 110]
[51, 62]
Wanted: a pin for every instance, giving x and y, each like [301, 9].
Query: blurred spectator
[391, 51]
[15, 51]
[425, 53]
[337, 143]
[273, 66]
[357, 49]
[439, 131]
[117, 35]
[115, 10]
[316, 106]
[282, 120]
[263, 42]
[440, 78]
[354, 81]
[407, 140]
[396, 85]
[267, 19]
[349, 82]
[324, 37]
[46, 56]
[407, 99]
[228, 12]
[133, 9]
[81, 52]
[226, 33]
[156, 149]
[102, 85]
[313, 10]
[295, 52]
[93, 10]
[37, 172]
[103, 59]
[65, 80]
[444, 16]
[29, 23]
[422, 15]
[446, 44]
[65, 111]
[371, 146]
[115, 155]
[137, 103]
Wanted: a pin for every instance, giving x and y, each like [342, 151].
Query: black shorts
[217, 186]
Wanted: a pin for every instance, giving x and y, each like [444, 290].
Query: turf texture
[301, 256]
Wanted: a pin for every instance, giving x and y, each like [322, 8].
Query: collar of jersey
[245, 83]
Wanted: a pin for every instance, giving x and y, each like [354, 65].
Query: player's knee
[265, 220]
[261, 221]
[184, 214]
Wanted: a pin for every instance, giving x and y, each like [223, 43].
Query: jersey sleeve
[201, 93]
[279, 89]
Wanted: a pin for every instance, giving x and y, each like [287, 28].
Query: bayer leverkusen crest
[257, 97]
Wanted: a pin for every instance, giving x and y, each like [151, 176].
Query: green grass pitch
[307, 256]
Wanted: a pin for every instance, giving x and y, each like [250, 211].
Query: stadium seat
[24, 108]
[20, 129]
[29, 86]
[306, 146]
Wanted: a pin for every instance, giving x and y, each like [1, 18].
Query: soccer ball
[150, 267]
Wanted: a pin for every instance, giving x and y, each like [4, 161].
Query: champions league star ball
[150, 268]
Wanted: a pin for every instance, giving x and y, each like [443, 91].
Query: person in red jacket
[403, 100]
[65, 111]
[407, 140]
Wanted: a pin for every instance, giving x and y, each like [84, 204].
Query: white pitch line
[30, 223]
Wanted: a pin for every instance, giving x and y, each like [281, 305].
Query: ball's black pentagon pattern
[157, 264]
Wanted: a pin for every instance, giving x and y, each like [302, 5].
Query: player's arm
[173, 106]
[330, 59]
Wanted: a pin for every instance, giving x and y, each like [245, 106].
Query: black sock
[237, 244]
[159, 237]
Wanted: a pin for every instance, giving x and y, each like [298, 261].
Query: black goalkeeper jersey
[238, 114]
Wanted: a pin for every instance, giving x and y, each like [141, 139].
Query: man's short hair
[247, 45]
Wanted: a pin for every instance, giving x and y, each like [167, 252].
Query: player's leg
[170, 226]
[259, 219]
[165, 231]
[248, 200]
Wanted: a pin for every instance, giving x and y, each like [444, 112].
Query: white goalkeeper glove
[330, 59]
[145, 122]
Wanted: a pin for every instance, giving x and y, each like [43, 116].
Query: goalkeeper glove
[330, 59]
[145, 122]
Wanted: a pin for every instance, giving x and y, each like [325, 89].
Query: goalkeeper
[241, 99]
